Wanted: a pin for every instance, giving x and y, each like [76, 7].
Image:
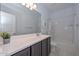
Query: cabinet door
[36, 49]
[48, 46]
[25, 52]
[44, 47]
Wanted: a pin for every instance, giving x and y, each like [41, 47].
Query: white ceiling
[51, 7]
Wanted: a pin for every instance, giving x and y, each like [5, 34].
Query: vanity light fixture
[34, 6]
[31, 6]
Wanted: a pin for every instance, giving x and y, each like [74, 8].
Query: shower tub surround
[27, 45]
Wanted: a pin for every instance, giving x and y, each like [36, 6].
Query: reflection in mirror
[18, 20]
[7, 22]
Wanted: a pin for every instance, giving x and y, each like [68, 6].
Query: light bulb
[27, 6]
[31, 8]
[23, 4]
[34, 6]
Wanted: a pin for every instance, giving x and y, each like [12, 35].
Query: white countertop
[17, 43]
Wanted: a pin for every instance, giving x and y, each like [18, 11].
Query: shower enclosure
[63, 26]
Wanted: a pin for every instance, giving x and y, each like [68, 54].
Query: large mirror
[18, 20]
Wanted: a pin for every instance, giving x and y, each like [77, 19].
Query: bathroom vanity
[27, 45]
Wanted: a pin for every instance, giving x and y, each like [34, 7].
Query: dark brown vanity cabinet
[46, 47]
[24, 52]
[42, 48]
[36, 49]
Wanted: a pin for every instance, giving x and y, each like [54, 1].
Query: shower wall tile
[63, 20]
[76, 19]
